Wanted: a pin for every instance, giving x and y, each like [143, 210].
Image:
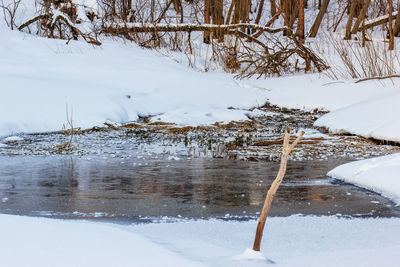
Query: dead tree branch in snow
[51, 16]
[287, 148]
[185, 27]
[273, 59]
[377, 21]
[378, 78]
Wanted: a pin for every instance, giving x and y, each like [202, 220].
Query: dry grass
[357, 61]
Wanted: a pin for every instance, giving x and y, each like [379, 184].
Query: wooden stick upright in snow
[287, 148]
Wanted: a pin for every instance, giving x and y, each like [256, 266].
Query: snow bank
[316, 91]
[369, 109]
[377, 118]
[44, 242]
[115, 82]
[288, 241]
[379, 174]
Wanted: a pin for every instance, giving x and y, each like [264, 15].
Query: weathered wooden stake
[287, 148]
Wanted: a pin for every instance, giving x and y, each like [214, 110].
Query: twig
[378, 78]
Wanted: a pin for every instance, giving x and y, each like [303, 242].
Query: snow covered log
[377, 21]
[54, 15]
[185, 27]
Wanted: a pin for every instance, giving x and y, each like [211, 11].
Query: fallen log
[125, 29]
[377, 21]
[52, 16]
[186, 27]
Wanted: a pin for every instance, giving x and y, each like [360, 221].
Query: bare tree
[391, 38]
[361, 16]
[216, 8]
[318, 20]
[350, 20]
[273, 7]
[300, 27]
[207, 20]
[259, 12]
[9, 11]
[396, 30]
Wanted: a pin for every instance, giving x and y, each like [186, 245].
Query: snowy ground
[289, 241]
[115, 83]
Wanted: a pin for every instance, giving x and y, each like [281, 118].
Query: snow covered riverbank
[120, 82]
[115, 83]
[379, 174]
[288, 241]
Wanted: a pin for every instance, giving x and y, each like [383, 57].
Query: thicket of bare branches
[185, 24]
[10, 8]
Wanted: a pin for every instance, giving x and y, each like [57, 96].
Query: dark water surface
[141, 189]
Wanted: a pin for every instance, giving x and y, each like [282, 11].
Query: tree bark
[347, 35]
[273, 7]
[361, 16]
[391, 37]
[396, 30]
[259, 12]
[216, 9]
[229, 15]
[207, 20]
[177, 6]
[300, 26]
[318, 20]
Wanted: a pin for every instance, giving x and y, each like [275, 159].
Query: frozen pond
[143, 189]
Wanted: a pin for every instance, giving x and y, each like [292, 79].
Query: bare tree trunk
[396, 30]
[300, 26]
[350, 20]
[259, 12]
[237, 12]
[290, 12]
[207, 20]
[245, 11]
[286, 12]
[216, 8]
[391, 38]
[318, 20]
[273, 7]
[229, 15]
[361, 16]
[287, 148]
[152, 7]
[177, 5]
